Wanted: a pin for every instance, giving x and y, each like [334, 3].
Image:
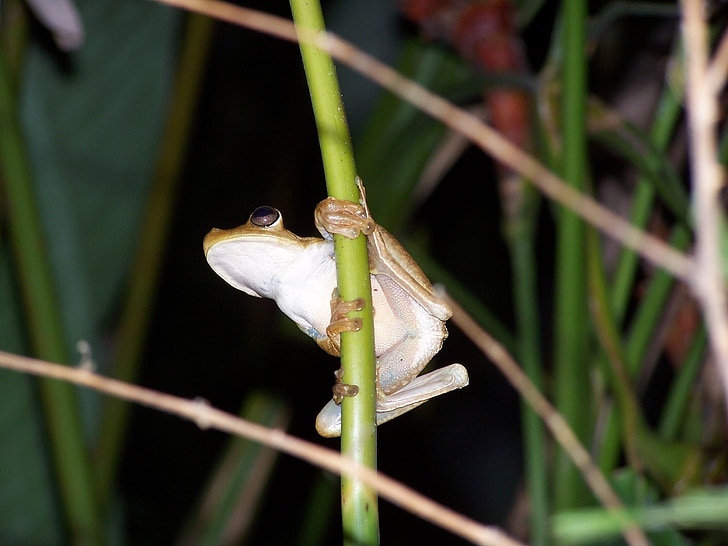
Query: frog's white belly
[303, 292]
[406, 336]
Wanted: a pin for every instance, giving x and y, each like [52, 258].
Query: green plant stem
[63, 423]
[641, 333]
[605, 325]
[651, 306]
[519, 230]
[704, 508]
[571, 392]
[358, 435]
[647, 317]
[679, 397]
[136, 312]
[666, 462]
[668, 112]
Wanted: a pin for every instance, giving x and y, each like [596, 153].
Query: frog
[264, 259]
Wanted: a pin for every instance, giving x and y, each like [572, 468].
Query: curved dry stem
[205, 416]
[707, 179]
[552, 419]
[649, 247]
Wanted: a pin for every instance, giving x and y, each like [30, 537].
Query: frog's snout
[210, 239]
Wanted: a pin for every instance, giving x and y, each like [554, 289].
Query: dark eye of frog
[264, 216]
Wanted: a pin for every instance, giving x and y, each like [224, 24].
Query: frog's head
[250, 256]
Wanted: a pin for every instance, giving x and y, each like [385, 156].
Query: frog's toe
[339, 321]
[341, 389]
[344, 324]
[425, 387]
[343, 218]
[328, 421]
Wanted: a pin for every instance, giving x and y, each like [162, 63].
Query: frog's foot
[419, 391]
[328, 421]
[341, 389]
[339, 321]
[343, 217]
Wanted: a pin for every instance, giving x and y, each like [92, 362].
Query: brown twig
[551, 418]
[707, 179]
[489, 140]
[205, 416]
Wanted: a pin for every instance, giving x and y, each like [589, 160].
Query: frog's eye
[264, 216]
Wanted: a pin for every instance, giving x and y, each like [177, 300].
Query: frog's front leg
[343, 218]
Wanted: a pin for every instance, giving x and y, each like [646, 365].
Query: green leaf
[699, 509]
[399, 139]
[27, 511]
[90, 122]
[92, 130]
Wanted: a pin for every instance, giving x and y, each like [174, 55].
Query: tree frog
[262, 258]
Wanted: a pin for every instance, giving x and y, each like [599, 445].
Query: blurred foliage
[84, 134]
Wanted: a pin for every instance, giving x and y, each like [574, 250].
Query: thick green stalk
[136, 312]
[572, 378]
[72, 465]
[358, 435]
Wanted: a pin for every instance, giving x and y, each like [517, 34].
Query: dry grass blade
[707, 177]
[206, 416]
[489, 140]
[552, 419]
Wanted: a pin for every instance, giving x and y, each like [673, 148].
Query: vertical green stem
[668, 111]
[639, 335]
[570, 361]
[358, 435]
[651, 306]
[72, 464]
[521, 242]
[681, 389]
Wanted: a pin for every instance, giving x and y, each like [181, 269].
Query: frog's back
[409, 273]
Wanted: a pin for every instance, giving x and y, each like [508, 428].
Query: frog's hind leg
[328, 422]
[420, 390]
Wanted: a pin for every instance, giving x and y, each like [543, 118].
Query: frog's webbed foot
[341, 389]
[344, 217]
[340, 322]
[420, 390]
[416, 393]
